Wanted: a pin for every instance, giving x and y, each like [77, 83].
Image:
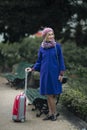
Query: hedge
[75, 101]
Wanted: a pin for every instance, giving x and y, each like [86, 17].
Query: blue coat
[50, 68]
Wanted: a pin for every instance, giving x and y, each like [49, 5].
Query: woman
[50, 63]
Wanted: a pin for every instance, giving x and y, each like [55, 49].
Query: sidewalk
[66, 120]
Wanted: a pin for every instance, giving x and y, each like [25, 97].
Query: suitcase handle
[26, 75]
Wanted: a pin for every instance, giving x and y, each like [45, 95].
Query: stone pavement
[66, 120]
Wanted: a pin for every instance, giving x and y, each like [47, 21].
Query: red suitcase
[19, 106]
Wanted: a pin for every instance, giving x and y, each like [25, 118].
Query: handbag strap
[56, 53]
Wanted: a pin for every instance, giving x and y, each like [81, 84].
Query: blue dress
[50, 68]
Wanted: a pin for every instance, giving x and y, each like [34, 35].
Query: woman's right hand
[28, 69]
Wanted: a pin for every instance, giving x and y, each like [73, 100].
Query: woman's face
[50, 36]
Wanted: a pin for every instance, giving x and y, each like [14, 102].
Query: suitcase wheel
[22, 120]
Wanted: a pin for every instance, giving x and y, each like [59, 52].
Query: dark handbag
[64, 80]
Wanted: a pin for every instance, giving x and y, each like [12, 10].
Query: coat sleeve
[60, 59]
[37, 65]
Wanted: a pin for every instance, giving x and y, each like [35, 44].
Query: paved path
[7, 95]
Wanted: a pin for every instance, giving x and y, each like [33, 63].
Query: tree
[76, 26]
[24, 17]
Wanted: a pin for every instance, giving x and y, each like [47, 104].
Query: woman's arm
[37, 65]
[60, 60]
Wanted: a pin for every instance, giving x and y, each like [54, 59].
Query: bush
[76, 102]
[10, 54]
[13, 53]
[29, 49]
[74, 55]
[77, 78]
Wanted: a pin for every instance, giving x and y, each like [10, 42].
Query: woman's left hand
[60, 78]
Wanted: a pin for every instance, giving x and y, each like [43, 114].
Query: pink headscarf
[45, 31]
[46, 44]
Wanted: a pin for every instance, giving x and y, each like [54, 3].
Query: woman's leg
[52, 108]
[51, 104]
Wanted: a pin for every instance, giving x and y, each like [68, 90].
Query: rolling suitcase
[19, 106]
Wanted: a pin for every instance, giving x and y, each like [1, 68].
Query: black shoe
[57, 114]
[48, 117]
[53, 118]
